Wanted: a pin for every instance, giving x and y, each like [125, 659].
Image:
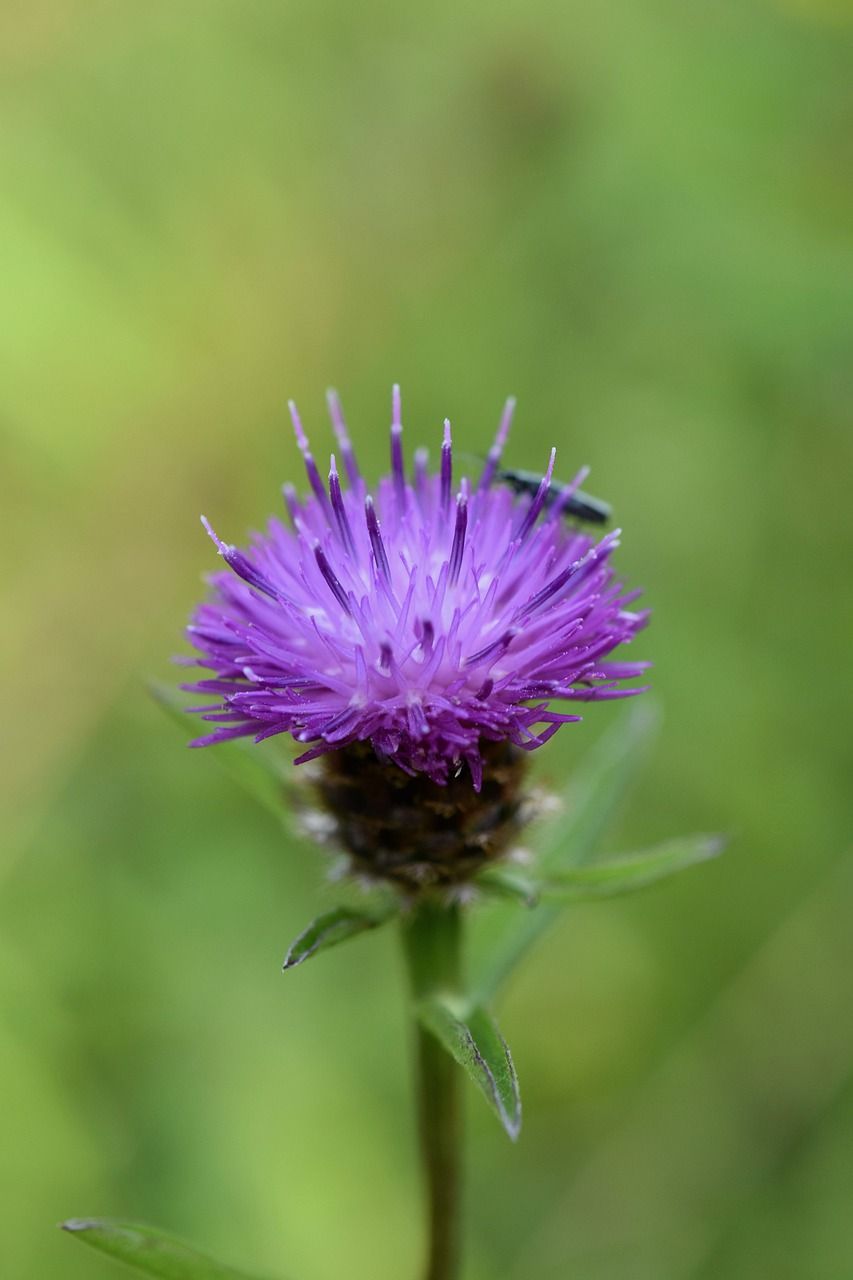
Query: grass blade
[258, 768]
[591, 801]
[149, 1251]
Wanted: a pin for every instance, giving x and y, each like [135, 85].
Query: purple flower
[429, 617]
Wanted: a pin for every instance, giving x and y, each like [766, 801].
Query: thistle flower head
[429, 617]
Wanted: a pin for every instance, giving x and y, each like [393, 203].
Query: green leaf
[472, 1038]
[331, 928]
[591, 799]
[507, 882]
[598, 788]
[257, 768]
[149, 1251]
[632, 871]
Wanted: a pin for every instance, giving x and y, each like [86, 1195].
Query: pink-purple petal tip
[425, 627]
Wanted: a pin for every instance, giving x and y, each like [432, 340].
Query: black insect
[580, 506]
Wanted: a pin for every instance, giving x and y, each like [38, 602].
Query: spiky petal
[424, 626]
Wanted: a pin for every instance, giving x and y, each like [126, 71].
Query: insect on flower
[426, 618]
[568, 499]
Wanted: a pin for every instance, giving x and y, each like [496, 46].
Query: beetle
[580, 506]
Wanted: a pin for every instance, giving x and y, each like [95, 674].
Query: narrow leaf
[590, 802]
[149, 1251]
[633, 871]
[507, 882]
[259, 770]
[598, 788]
[331, 928]
[472, 1038]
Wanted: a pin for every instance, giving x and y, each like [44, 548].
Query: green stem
[432, 941]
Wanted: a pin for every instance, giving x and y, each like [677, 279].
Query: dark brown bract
[413, 832]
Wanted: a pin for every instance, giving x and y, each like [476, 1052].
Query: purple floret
[424, 618]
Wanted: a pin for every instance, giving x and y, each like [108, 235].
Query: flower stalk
[432, 942]
[418, 652]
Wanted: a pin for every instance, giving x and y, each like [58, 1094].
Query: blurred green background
[637, 217]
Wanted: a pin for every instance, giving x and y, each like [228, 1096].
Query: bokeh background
[638, 217]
